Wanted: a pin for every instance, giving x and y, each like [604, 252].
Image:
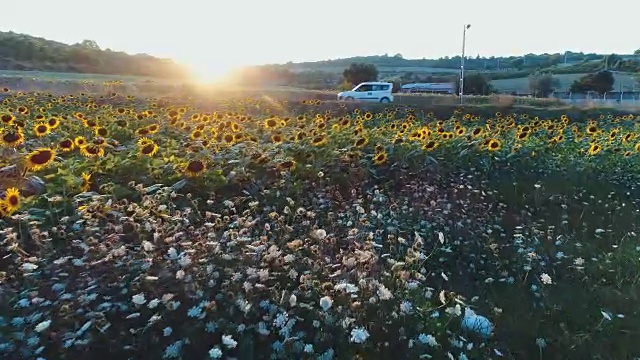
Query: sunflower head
[380, 158]
[11, 138]
[12, 199]
[66, 145]
[147, 148]
[40, 158]
[41, 129]
[92, 151]
[194, 168]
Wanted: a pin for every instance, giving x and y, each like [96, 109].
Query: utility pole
[464, 39]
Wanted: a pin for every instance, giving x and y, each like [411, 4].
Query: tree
[360, 72]
[89, 44]
[612, 61]
[475, 84]
[542, 84]
[600, 82]
[637, 52]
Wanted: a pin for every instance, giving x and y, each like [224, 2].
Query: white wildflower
[546, 279]
[228, 341]
[138, 299]
[29, 267]
[325, 303]
[359, 335]
[43, 326]
[215, 353]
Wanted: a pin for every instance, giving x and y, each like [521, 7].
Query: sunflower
[194, 168]
[148, 148]
[522, 135]
[477, 132]
[430, 145]
[153, 128]
[277, 139]
[101, 131]
[92, 151]
[196, 135]
[80, 141]
[12, 138]
[380, 158]
[270, 123]
[287, 165]
[368, 116]
[41, 129]
[594, 149]
[228, 138]
[7, 119]
[143, 131]
[360, 142]
[66, 145]
[494, 145]
[86, 182]
[53, 123]
[319, 140]
[40, 158]
[12, 199]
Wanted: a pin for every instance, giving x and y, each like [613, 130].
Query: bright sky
[215, 35]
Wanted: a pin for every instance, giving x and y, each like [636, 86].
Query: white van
[369, 91]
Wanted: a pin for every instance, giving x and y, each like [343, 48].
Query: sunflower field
[252, 228]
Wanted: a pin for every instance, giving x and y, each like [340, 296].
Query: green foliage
[600, 82]
[541, 84]
[357, 73]
[475, 84]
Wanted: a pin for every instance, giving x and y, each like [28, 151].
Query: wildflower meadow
[175, 227]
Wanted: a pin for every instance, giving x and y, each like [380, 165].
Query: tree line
[24, 52]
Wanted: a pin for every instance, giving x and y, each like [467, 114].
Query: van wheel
[348, 98]
[384, 100]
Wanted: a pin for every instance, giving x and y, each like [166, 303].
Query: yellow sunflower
[194, 168]
[594, 149]
[66, 145]
[12, 199]
[11, 138]
[80, 141]
[147, 147]
[287, 165]
[41, 129]
[494, 145]
[92, 151]
[40, 158]
[380, 158]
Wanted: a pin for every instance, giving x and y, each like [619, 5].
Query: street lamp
[464, 38]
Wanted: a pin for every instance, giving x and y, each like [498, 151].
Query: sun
[211, 73]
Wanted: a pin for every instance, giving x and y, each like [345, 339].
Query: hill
[507, 74]
[24, 52]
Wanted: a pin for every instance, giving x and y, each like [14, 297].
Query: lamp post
[464, 38]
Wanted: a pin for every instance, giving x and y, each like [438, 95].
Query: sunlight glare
[209, 73]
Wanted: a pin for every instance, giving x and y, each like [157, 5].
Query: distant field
[383, 69]
[58, 76]
[521, 85]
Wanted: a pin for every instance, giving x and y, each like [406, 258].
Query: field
[60, 76]
[193, 224]
[521, 85]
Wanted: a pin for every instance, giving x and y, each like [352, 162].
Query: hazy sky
[216, 34]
